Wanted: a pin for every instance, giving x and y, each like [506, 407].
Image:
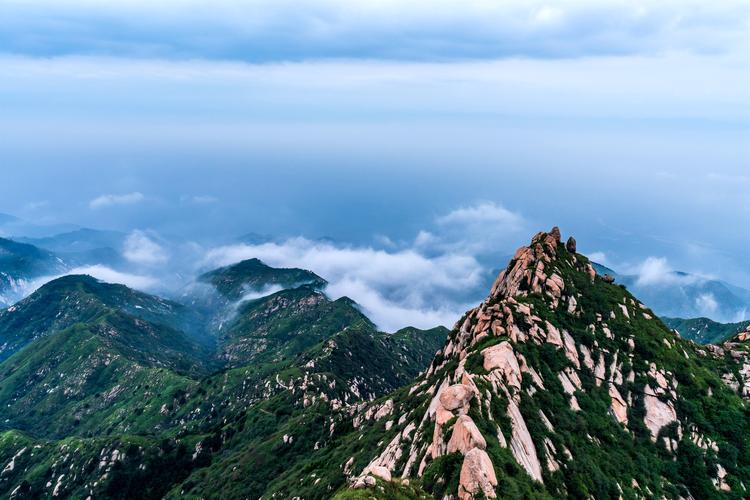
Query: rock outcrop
[465, 436]
[549, 367]
[570, 245]
[477, 476]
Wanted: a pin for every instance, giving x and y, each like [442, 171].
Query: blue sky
[626, 123]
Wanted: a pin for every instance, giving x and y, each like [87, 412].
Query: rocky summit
[562, 384]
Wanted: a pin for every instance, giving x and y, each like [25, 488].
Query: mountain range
[139, 378]
[684, 295]
[254, 383]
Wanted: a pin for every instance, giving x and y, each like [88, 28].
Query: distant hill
[704, 330]
[84, 247]
[7, 218]
[19, 264]
[71, 300]
[15, 227]
[80, 240]
[252, 275]
[688, 296]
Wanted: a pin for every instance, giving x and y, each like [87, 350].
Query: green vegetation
[112, 393]
[20, 260]
[252, 275]
[704, 330]
[101, 374]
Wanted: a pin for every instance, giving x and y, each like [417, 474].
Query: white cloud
[264, 292]
[598, 257]
[706, 304]
[203, 199]
[139, 282]
[35, 205]
[425, 283]
[108, 200]
[473, 230]
[740, 315]
[391, 315]
[100, 272]
[425, 239]
[482, 213]
[656, 271]
[395, 289]
[426, 29]
[139, 248]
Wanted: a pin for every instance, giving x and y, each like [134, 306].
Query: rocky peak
[529, 271]
[553, 344]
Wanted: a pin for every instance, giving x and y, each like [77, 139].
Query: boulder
[465, 436]
[477, 476]
[380, 472]
[570, 246]
[455, 397]
[570, 349]
[608, 278]
[365, 482]
[502, 357]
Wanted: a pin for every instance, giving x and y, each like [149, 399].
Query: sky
[437, 136]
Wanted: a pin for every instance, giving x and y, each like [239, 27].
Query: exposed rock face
[522, 445]
[619, 407]
[570, 245]
[465, 436]
[477, 476]
[502, 357]
[658, 413]
[381, 472]
[455, 397]
[539, 337]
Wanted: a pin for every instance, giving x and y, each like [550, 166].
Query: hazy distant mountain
[255, 239]
[85, 247]
[7, 219]
[80, 240]
[683, 295]
[15, 227]
[20, 263]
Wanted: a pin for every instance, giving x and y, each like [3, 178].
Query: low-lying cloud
[428, 282]
[109, 200]
[707, 304]
[473, 230]
[656, 271]
[140, 248]
[100, 272]
[396, 289]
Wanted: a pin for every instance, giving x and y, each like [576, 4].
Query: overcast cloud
[425, 140]
[282, 30]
